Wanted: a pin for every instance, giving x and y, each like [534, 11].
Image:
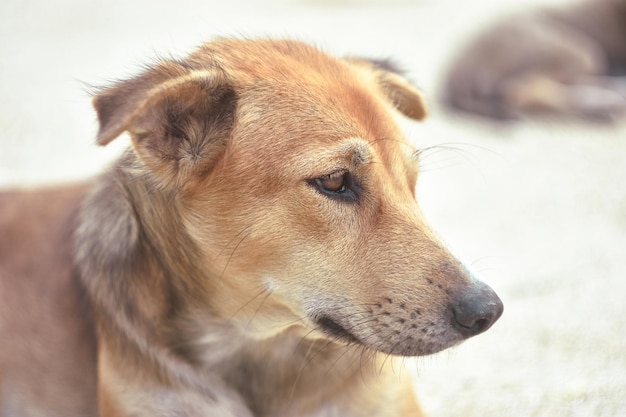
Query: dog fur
[257, 252]
[568, 61]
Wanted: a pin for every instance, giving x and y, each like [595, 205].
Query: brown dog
[567, 61]
[258, 252]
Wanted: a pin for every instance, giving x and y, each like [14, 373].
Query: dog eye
[338, 185]
[333, 183]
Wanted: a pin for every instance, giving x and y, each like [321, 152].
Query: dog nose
[477, 309]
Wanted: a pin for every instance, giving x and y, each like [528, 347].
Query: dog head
[296, 187]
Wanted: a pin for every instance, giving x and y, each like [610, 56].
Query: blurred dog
[568, 61]
[258, 252]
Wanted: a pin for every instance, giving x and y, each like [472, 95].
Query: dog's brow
[360, 155]
[358, 151]
[350, 153]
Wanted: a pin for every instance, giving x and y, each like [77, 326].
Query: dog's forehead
[297, 89]
[302, 102]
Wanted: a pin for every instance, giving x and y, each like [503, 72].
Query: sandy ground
[538, 209]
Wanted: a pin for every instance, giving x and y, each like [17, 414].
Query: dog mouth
[336, 330]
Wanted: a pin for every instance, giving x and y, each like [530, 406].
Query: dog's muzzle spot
[332, 328]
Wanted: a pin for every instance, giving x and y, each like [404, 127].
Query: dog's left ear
[179, 121]
[404, 96]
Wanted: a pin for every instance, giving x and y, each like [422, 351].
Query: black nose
[476, 309]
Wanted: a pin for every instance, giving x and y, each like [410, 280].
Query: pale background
[538, 209]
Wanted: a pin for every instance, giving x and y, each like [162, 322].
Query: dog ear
[178, 120]
[404, 96]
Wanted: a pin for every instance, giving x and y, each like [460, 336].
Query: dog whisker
[366, 356]
[352, 349]
[482, 260]
[234, 250]
[232, 240]
[300, 371]
[302, 340]
[248, 303]
[308, 360]
[423, 154]
[287, 323]
[269, 293]
[382, 366]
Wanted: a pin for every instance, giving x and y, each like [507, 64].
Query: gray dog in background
[568, 61]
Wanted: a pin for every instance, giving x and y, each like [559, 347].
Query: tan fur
[226, 277]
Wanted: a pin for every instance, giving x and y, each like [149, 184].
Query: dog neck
[307, 373]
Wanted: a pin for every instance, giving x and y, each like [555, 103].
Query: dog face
[297, 188]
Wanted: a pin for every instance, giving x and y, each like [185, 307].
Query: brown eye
[340, 185]
[333, 183]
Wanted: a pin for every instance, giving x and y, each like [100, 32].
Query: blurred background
[537, 208]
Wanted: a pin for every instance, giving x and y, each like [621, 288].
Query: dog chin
[405, 346]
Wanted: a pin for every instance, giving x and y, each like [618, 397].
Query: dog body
[258, 252]
[47, 337]
[567, 61]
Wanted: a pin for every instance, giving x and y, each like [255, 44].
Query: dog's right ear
[179, 120]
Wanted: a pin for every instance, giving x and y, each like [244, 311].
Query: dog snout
[476, 309]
